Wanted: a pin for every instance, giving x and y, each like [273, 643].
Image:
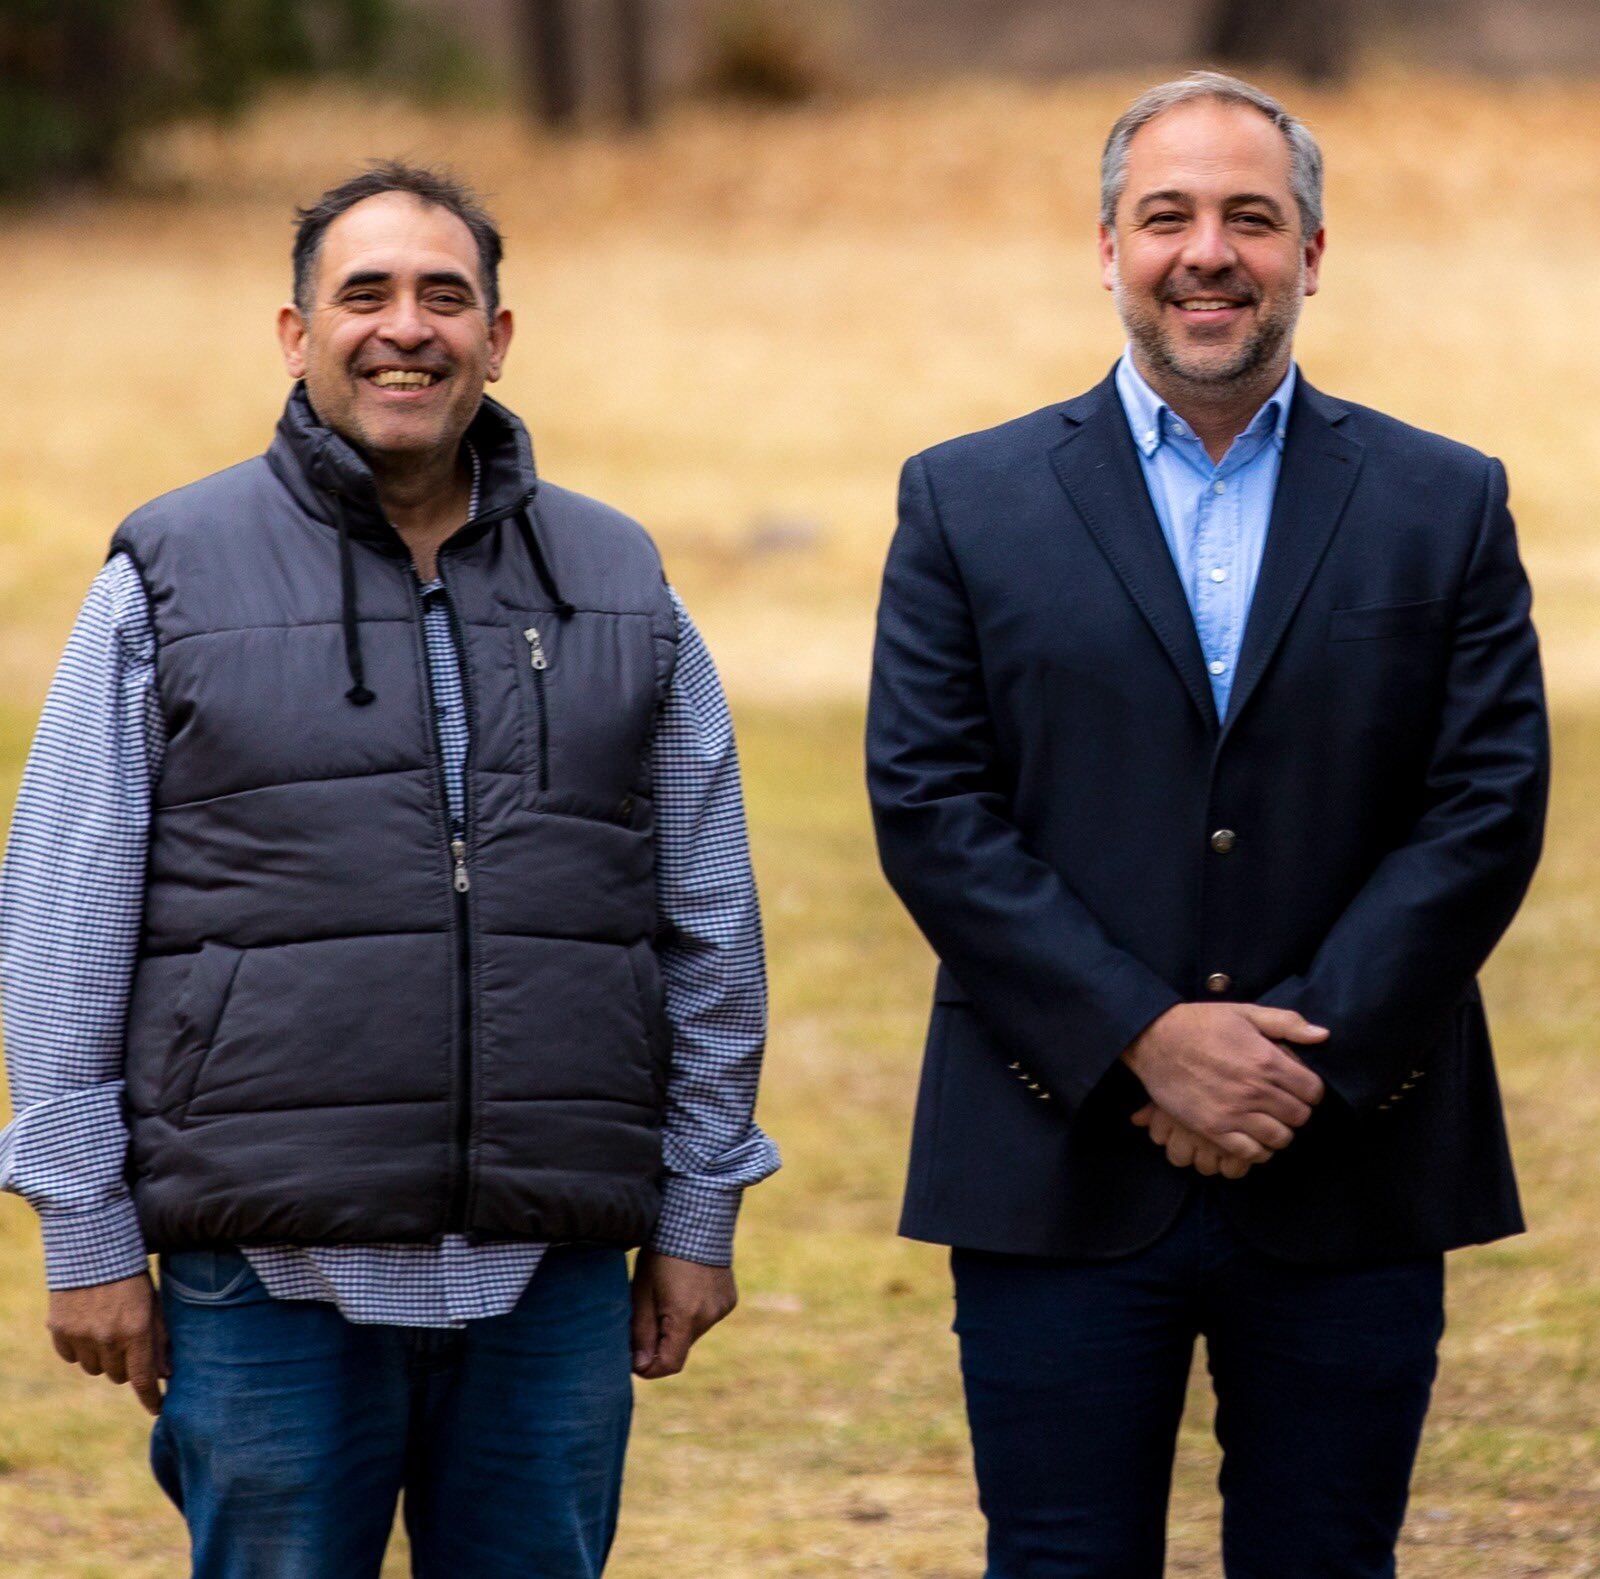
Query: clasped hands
[1226, 1092]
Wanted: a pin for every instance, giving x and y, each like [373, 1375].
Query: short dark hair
[437, 187]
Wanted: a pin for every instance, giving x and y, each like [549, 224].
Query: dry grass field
[736, 331]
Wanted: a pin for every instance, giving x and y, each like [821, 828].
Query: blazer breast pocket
[1375, 620]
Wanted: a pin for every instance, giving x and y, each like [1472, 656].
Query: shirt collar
[436, 585]
[1153, 420]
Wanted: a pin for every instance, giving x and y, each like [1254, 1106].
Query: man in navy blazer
[1207, 746]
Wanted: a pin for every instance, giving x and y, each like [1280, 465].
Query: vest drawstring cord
[358, 692]
[541, 566]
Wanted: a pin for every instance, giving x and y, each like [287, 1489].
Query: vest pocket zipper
[538, 662]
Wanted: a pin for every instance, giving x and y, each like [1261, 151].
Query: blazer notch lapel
[1099, 470]
[1319, 471]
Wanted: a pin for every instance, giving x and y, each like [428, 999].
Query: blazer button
[1224, 840]
[1218, 981]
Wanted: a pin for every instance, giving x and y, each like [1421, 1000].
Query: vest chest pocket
[533, 663]
[586, 697]
[202, 1001]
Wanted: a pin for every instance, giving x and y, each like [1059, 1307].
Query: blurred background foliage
[80, 78]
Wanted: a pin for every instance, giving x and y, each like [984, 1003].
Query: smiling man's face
[398, 342]
[1206, 259]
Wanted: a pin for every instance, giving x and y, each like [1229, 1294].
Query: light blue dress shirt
[1214, 516]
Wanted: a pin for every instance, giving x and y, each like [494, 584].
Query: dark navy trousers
[1075, 1375]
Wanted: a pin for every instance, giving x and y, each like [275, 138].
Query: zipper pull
[536, 648]
[458, 848]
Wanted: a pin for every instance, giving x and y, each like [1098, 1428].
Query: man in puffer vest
[381, 949]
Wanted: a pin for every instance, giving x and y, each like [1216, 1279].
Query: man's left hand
[674, 1304]
[1186, 1148]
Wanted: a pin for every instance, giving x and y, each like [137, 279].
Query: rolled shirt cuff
[100, 1244]
[697, 1221]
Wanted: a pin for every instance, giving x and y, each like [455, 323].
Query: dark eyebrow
[1170, 195]
[383, 277]
[1259, 200]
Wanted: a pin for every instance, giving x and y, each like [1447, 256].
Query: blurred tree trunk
[635, 59]
[549, 43]
[1315, 38]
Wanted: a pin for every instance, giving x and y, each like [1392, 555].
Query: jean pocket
[209, 1277]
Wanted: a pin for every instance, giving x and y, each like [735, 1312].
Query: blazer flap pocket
[1386, 619]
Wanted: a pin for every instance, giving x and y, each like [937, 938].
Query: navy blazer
[1047, 774]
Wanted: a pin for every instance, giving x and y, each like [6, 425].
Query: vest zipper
[539, 663]
[458, 844]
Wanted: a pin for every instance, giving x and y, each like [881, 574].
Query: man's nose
[405, 325]
[1207, 248]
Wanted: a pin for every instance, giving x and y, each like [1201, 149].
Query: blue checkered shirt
[71, 901]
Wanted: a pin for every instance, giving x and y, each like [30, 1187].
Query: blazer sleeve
[1407, 948]
[1038, 967]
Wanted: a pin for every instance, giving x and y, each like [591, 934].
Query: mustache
[1231, 286]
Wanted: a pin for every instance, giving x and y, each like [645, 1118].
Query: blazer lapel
[1099, 469]
[1319, 469]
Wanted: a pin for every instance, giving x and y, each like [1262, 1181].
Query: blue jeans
[288, 1432]
[1075, 1374]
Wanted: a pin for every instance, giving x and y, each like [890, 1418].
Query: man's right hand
[1217, 1068]
[115, 1330]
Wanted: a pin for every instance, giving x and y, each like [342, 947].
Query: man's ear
[1314, 248]
[1108, 257]
[500, 328]
[292, 340]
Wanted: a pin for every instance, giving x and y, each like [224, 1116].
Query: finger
[1283, 1106]
[89, 1357]
[1289, 1074]
[1283, 1025]
[1266, 1129]
[672, 1353]
[142, 1360]
[645, 1331]
[1144, 1115]
[163, 1345]
[1207, 1160]
[1162, 1125]
[114, 1356]
[1243, 1148]
[1232, 1168]
[1181, 1148]
[62, 1343]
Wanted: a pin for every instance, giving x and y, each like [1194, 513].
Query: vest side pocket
[201, 1003]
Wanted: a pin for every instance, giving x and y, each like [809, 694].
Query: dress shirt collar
[1153, 421]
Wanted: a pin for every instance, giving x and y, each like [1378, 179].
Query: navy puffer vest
[350, 1024]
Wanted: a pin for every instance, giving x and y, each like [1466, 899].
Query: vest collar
[325, 471]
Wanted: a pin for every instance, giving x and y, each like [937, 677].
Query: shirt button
[1218, 981]
[1217, 666]
[1149, 435]
[1219, 575]
[1219, 487]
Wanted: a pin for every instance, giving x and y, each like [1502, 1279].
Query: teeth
[1206, 306]
[398, 378]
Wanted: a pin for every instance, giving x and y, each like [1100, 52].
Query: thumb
[1283, 1025]
[1144, 1115]
[646, 1329]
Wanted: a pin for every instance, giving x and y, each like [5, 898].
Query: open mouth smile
[403, 380]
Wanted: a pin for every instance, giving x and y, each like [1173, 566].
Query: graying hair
[1305, 158]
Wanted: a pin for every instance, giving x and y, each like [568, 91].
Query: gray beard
[1260, 349]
